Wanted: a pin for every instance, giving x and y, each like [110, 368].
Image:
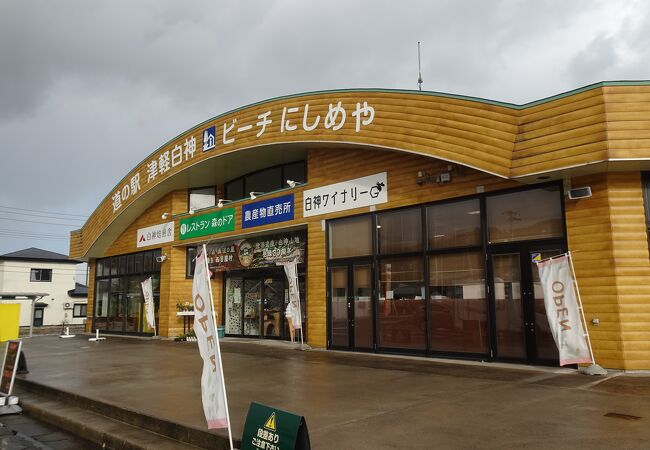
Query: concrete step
[110, 425]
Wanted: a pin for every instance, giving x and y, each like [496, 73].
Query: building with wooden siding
[415, 218]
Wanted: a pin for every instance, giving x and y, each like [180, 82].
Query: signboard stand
[97, 338]
[274, 429]
[9, 403]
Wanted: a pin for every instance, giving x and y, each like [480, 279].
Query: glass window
[350, 237]
[99, 269]
[190, 262]
[122, 269]
[264, 181]
[401, 307]
[114, 262]
[524, 215]
[148, 261]
[130, 263]
[235, 190]
[457, 303]
[79, 310]
[455, 224]
[400, 231]
[294, 172]
[156, 264]
[40, 275]
[138, 263]
[202, 198]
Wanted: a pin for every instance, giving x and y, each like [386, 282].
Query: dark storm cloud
[90, 88]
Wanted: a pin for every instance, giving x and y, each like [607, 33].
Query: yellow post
[9, 321]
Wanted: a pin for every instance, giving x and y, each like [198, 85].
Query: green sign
[273, 429]
[212, 223]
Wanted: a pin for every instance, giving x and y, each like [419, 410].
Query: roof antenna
[419, 69]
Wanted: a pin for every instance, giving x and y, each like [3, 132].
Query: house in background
[37, 270]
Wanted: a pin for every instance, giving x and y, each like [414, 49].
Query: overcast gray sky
[89, 88]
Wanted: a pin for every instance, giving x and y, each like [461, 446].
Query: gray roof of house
[80, 290]
[37, 254]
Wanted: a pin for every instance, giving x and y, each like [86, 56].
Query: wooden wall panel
[589, 235]
[632, 266]
[609, 242]
[628, 121]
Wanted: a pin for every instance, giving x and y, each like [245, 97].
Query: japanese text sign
[206, 224]
[366, 191]
[273, 429]
[278, 209]
[157, 234]
[9, 366]
[257, 252]
[292, 118]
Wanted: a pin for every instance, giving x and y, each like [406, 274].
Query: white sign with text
[366, 191]
[157, 234]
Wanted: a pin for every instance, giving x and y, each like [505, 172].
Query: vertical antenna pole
[419, 69]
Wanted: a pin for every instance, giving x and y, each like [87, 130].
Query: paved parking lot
[359, 401]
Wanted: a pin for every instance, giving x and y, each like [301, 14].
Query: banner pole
[302, 331]
[155, 333]
[214, 321]
[582, 311]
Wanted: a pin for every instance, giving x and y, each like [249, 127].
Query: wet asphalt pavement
[359, 401]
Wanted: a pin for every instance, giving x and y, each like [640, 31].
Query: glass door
[351, 307]
[38, 317]
[522, 332]
[134, 305]
[362, 300]
[273, 302]
[116, 306]
[339, 307]
[252, 306]
[234, 307]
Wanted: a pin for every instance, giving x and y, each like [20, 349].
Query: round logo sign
[183, 228]
[245, 253]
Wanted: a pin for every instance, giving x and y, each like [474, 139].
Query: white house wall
[15, 277]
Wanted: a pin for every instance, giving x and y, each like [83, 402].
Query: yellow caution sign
[270, 423]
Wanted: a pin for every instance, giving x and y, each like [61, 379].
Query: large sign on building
[206, 224]
[366, 191]
[273, 210]
[156, 234]
[258, 252]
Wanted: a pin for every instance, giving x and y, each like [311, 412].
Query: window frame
[82, 306]
[247, 190]
[189, 196]
[426, 251]
[34, 279]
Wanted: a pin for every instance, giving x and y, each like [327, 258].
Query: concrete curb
[40, 405]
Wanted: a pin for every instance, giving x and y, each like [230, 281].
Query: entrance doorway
[38, 316]
[255, 303]
[351, 315]
[520, 326]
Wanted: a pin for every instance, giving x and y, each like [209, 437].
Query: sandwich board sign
[9, 366]
[270, 428]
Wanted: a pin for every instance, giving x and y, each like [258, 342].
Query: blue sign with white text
[273, 210]
[209, 138]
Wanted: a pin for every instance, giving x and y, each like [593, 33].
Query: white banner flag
[213, 389]
[562, 310]
[290, 269]
[149, 303]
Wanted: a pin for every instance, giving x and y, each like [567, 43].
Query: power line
[45, 223]
[43, 211]
[36, 232]
[40, 215]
